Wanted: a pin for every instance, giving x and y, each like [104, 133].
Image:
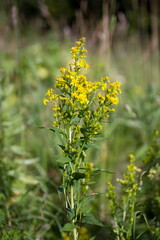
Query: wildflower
[45, 100]
[123, 224]
[62, 70]
[79, 108]
[49, 92]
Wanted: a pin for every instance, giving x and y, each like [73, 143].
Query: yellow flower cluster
[79, 108]
[129, 178]
[73, 95]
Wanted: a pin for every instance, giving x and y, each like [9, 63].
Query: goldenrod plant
[123, 210]
[151, 191]
[80, 107]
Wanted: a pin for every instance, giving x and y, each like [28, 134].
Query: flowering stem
[80, 106]
[117, 228]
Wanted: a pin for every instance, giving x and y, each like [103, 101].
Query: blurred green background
[123, 39]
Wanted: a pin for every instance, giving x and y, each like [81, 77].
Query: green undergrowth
[29, 205]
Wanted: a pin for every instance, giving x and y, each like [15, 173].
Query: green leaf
[76, 118]
[134, 223]
[92, 238]
[28, 161]
[77, 186]
[90, 183]
[2, 218]
[71, 214]
[95, 146]
[19, 151]
[41, 127]
[69, 227]
[64, 160]
[90, 219]
[78, 175]
[60, 192]
[98, 138]
[56, 130]
[97, 170]
[84, 203]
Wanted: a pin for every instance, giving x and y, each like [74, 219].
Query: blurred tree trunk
[155, 27]
[105, 36]
[154, 24]
[80, 26]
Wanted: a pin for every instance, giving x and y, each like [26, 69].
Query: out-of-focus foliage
[151, 190]
[123, 209]
[27, 209]
[122, 18]
[123, 39]
[29, 172]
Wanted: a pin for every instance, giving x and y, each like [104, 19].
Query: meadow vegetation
[119, 175]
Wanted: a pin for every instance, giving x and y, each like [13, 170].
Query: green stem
[117, 228]
[124, 213]
[75, 233]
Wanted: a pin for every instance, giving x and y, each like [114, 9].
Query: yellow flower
[63, 70]
[112, 99]
[105, 79]
[79, 43]
[75, 93]
[49, 92]
[104, 86]
[45, 100]
[131, 155]
[87, 66]
[83, 39]
[89, 166]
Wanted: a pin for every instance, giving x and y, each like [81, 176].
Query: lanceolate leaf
[69, 227]
[95, 146]
[64, 160]
[71, 214]
[98, 139]
[78, 175]
[97, 170]
[92, 238]
[90, 219]
[56, 130]
[60, 192]
[75, 119]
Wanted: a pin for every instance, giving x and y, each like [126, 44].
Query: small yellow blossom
[104, 86]
[49, 92]
[83, 39]
[131, 155]
[45, 100]
[63, 70]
